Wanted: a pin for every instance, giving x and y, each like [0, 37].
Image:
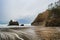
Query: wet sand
[48, 33]
[17, 33]
[30, 33]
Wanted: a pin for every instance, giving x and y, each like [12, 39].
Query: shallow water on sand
[18, 33]
[29, 33]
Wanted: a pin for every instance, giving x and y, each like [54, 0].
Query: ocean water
[6, 26]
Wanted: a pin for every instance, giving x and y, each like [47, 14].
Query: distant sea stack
[22, 24]
[12, 23]
[50, 17]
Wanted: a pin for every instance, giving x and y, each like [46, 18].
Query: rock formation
[13, 23]
[48, 18]
[22, 24]
[41, 18]
[51, 17]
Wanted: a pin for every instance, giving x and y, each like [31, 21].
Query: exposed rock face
[41, 18]
[51, 17]
[22, 24]
[48, 18]
[13, 23]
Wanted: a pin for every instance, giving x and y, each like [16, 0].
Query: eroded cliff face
[53, 18]
[48, 18]
[41, 18]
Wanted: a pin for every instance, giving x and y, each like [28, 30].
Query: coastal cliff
[41, 18]
[50, 17]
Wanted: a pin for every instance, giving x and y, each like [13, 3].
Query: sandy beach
[30, 33]
[18, 33]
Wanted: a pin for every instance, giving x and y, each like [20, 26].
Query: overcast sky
[22, 9]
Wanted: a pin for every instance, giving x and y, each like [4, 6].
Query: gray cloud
[18, 9]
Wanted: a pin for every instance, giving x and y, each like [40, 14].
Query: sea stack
[22, 24]
[13, 23]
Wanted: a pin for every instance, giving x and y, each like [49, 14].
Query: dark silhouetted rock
[22, 24]
[11, 23]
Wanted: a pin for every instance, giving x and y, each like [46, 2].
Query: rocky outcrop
[41, 18]
[53, 18]
[48, 18]
[22, 24]
[13, 23]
